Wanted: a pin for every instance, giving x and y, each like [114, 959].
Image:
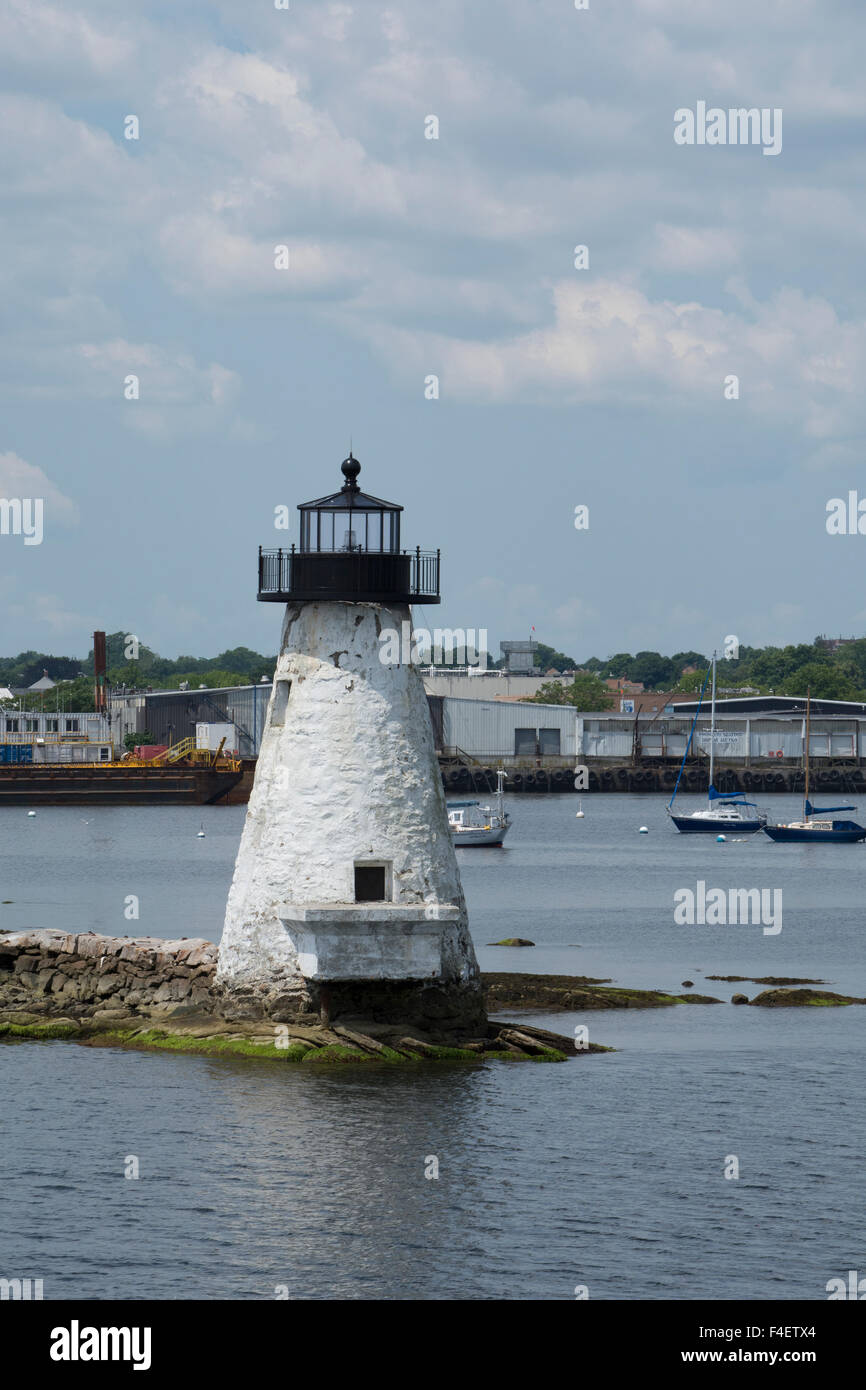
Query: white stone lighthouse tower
[346, 899]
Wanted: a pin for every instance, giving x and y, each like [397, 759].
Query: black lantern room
[349, 551]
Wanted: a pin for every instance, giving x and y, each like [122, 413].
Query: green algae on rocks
[575, 993]
[535, 1046]
[798, 998]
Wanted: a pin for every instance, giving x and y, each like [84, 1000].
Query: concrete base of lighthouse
[346, 899]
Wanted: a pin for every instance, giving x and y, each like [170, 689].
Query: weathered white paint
[368, 941]
[348, 773]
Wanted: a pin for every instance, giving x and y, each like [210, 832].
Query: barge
[70, 761]
[115, 784]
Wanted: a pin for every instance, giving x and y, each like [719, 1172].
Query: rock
[794, 998]
[522, 1041]
[121, 984]
[575, 992]
[361, 1040]
[765, 979]
[512, 941]
[687, 984]
[739, 999]
[171, 991]
[415, 1045]
[91, 946]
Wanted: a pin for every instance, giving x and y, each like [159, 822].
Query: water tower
[346, 899]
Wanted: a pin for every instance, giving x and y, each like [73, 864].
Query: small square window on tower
[373, 882]
[281, 700]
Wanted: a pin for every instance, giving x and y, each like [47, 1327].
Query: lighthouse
[346, 900]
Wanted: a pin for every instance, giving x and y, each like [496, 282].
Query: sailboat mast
[808, 716]
[713, 727]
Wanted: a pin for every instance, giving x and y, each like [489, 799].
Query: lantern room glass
[350, 529]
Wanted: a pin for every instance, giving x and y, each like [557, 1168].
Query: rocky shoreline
[149, 993]
[146, 992]
[571, 993]
[566, 993]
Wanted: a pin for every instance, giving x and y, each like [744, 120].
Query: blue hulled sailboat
[726, 811]
[809, 831]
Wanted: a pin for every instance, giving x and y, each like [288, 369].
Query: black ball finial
[350, 468]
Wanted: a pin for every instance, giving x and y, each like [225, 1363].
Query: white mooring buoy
[643, 830]
[31, 813]
[579, 812]
[720, 839]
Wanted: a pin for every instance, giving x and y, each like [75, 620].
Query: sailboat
[725, 810]
[807, 830]
[474, 824]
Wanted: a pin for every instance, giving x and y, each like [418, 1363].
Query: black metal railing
[351, 575]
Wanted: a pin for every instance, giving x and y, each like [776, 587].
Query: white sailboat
[474, 824]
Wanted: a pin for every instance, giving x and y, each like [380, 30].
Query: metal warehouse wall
[761, 739]
[172, 717]
[435, 703]
[485, 728]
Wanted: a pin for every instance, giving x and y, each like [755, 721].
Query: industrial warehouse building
[32, 736]
[763, 729]
[172, 715]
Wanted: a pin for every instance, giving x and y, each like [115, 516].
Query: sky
[605, 385]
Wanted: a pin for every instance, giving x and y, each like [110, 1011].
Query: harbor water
[606, 1173]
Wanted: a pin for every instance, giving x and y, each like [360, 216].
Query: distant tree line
[830, 674]
[236, 666]
[838, 674]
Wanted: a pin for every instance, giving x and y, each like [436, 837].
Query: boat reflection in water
[474, 824]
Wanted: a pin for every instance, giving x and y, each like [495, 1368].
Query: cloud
[448, 256]
[21, 479]
[610, 341]
[44, 40]
[165, 378]
[694, 248]
[47, 610]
